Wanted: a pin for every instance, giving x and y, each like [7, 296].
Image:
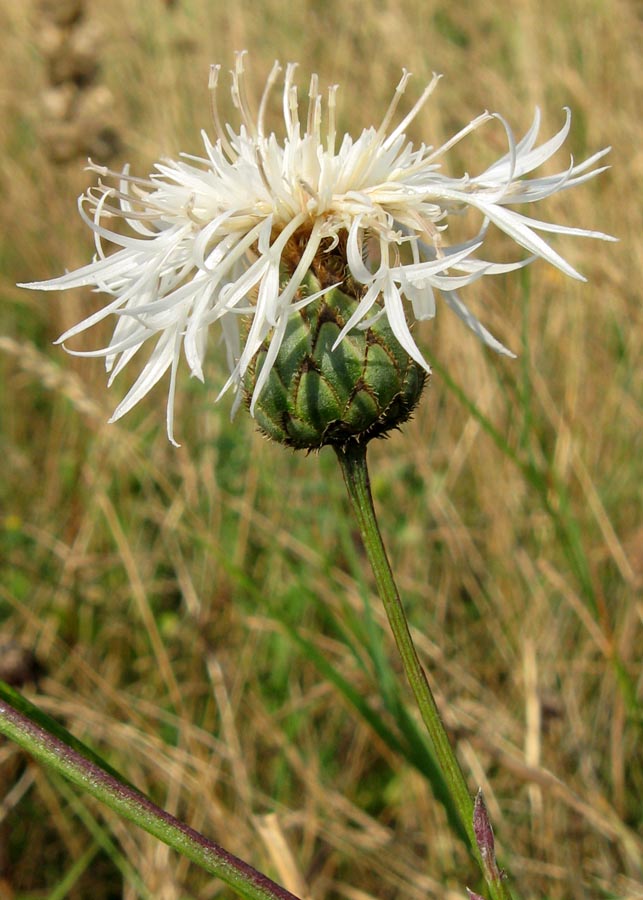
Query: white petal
[458, 307]
[397, 321]
[157, 365]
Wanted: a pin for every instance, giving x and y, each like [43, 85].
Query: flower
[231, 236]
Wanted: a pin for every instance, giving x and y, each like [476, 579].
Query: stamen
[240, 88]
[332, 107]
[429, 230]
[270, 83]
[116, 212]
[214, 109]
[234, 90]
[475, 123]
[260, 131]
[318, 118]
[188, 209]
[100, 170]
[426, 93]
[98, 212]
[397, 96]
[294, 108]
[287, 99]
[124, 175]
[306, 193]
[314, 107]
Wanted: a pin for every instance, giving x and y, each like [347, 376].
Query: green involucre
[315, 395]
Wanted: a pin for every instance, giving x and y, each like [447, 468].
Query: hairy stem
[352, 459]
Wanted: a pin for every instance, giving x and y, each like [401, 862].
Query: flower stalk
[352, 459]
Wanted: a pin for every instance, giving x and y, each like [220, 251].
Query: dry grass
[158, 588]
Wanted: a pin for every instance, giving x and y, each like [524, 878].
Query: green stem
[352, 459]
[132, 805]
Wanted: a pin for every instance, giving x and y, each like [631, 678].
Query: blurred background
[199, 616]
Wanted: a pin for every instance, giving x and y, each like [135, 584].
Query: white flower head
[208, 237]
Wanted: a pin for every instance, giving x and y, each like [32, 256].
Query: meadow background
[200, 615]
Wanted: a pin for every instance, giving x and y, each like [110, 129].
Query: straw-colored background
[156, 588]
